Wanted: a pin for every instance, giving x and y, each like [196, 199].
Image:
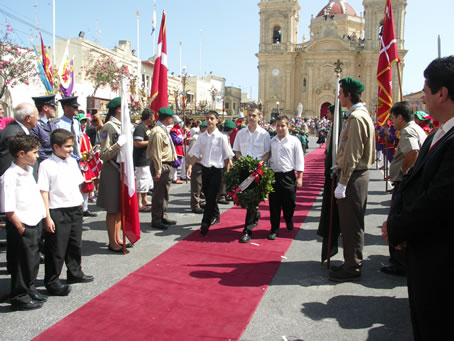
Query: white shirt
[61, 178]
[256, 144]
[20, 194]
[212, 149]
[444, 128]
[286, 154]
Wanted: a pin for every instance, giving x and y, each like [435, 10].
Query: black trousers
[23, 261]
[63, 246]
[252, 217]
[211, 182]
[282, 199]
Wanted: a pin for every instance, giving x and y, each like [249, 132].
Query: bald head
[27, 114]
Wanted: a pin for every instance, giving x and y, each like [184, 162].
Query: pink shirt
[4, 121]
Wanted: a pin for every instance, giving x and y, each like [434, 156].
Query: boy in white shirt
[59, 180]
[212, 150]
[20, 199]
[287, 157]
[252, 141]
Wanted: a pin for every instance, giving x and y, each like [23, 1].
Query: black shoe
[215, 220]
[88, 213]
[169, 221]
[393, 270]
[36, 296]
[85, 228]
[202, 205]
[272, 235]
[83, 279]
[290, 226]
[245, 238]
[204, 229]
[344, 276]
[27, 306]
[63, 290]
[159, 226]
[335, 268]
[41, 258]
[197, 210]
[223, 202]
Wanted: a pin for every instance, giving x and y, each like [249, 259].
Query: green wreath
[255, 192]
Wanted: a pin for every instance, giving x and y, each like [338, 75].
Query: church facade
[298, 79]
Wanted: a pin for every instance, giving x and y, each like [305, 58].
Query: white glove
[339, 192]
[121, 140]
[333, 168]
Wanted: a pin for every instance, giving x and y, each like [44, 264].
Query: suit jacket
[6, 158]
[421, 211]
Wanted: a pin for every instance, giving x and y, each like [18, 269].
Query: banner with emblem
[66, 73]
[388, 55]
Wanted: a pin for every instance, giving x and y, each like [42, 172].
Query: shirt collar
[214, 133]
[43, 119]
[19, 170]
[24, 128]
[447, 125]
[115, 120]
[58, 159]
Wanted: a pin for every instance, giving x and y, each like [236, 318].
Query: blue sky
[227, 30]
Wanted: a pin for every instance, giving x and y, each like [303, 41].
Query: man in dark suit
[420, 217]
[25, 119]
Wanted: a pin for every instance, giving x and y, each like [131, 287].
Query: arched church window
[277, 34]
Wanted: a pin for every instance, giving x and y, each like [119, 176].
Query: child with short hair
[213, 151]
[21, 201]
[59, 180]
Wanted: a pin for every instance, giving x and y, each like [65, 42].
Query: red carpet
[201, 288]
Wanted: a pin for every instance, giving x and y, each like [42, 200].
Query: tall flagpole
[139, 63]
[335, 136]
[439, 46]
[53, 33]
[153, 23]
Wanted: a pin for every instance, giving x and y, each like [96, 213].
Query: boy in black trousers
[20, 199]
[59, 179]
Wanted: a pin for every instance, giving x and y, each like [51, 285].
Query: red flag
[129, 206]
[47, 65]
[159, 96]
[388, 55]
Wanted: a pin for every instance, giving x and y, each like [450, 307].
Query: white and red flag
[388, 55]
[159, 96]
[129, 206]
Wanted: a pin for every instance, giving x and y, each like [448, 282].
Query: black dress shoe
[344, 276]
[63, 290]
[120, 250]
[26, 306]
[223, 202]
[159, 226]
[215, 220]
[169, 221]
[197, 210]
[36, 296]
[272, 235]
[41, 258]
[393, 270]
[83, 279]
[202, 205]
[88, 213]
[204, 229]
[290, 226]
[245, 238]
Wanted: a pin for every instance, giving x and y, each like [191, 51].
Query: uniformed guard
[68, 121]
[356, 153]
[47, 108]
[109, 194]
[161, 152]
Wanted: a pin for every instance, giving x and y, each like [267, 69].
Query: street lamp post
[277, 104]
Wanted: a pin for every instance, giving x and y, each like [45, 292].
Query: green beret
[272, 120]
[331, 108]
[352, 85]
[203, 124]
[229, 124]
[114, 103]
[166, 112]
[81, 117]
[422, 116]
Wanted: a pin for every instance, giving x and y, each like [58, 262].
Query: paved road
[300, 304]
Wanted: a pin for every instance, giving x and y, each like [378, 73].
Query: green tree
[103, 71]
[17, 64]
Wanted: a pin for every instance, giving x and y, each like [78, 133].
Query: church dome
[337, 7]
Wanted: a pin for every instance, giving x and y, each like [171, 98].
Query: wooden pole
[123, 221]
[400, 82]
